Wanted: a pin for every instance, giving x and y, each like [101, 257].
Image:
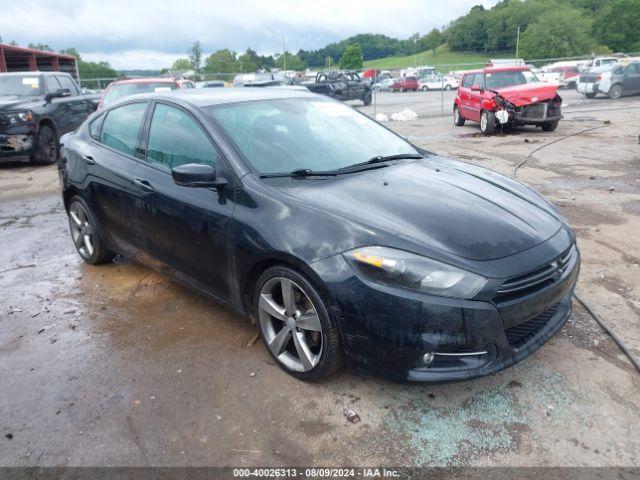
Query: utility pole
[518, 42]
[284, 57]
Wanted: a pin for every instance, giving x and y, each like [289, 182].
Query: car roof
[205, 97]
[499, 69]
[37, 73]
[144, 80]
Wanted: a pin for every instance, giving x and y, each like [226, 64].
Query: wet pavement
[117, 365]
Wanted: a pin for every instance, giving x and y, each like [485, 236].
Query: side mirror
[61, 92]
[197, 175]
[476, 88]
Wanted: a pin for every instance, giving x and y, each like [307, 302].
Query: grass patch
[449, 60]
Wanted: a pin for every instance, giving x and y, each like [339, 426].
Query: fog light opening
[427, 358]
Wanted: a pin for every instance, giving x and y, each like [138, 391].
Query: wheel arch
[46, 121]
[273, 259]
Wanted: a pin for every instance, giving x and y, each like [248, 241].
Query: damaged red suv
[503, 97]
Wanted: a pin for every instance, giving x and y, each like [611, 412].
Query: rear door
[356, 87]
[110, 159]
[631, 79]
[185, 228]
[464, 92]
[475, 97]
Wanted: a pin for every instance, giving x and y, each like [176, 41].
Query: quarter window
[176, 139]
[477, 80]
[120, 128]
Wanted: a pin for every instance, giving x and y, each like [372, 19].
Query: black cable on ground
[612, 334]
[515, 170]
[618, 341]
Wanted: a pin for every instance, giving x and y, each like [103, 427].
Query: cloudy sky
[153, 33]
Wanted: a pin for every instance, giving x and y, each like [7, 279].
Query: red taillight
[599, 77]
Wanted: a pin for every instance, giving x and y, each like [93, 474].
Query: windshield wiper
[356, 167]
[381, 159]
[301, 173]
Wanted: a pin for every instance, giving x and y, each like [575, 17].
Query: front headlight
[22, 116]
[414, 272]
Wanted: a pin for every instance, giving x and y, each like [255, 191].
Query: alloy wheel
[81, 230]
[483, 121]
[290, 324]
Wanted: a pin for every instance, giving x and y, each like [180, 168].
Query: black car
[337, 236]
[36, 108]
[341, 86]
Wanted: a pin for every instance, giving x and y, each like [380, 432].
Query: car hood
[13, 101]
[438, 204]
[528, 93]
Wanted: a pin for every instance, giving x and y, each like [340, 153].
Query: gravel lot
[117, 365]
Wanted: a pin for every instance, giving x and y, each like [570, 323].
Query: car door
[112, 167]
[76, 105]
[185, 228]
[475, 97]
[356, 87]
[631, 79]
[463, 93]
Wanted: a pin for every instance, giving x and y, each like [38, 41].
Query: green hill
[443, 57]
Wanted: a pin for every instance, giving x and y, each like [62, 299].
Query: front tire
[47, 146]
[367, 98]
[84, 233]
[296, 325]
[447, 87]
[487, 122]
[550, 126]
[458, 119]
[616, 92]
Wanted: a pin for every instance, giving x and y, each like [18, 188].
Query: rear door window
[478, 80]
[467, 81]
[175, 139]
[121, 127]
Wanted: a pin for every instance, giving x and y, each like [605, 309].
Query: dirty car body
[515, 92]
[432, 269]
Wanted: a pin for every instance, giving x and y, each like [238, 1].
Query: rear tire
[447, 87]
[590, 95]
[84, 233]
[616, 92]
[47, 146]
[458, 119]
[550, 126]
[487, 122]
[367, 98]
[424, 88]
[279, 325]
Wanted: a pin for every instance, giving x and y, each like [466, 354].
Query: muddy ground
[116, 365]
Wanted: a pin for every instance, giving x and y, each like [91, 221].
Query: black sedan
[339, 238]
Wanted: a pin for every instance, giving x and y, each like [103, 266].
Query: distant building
[19, 59]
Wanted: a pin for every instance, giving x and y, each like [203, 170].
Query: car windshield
[494, 80]
[121, 90]
[22, 86]
[284, 135]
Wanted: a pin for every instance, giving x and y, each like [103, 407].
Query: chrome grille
[540, 278]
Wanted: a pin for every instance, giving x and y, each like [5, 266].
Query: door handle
[88, 159]
[143, 185]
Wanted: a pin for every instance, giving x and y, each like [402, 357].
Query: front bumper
[15, 145]
[388, 330]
